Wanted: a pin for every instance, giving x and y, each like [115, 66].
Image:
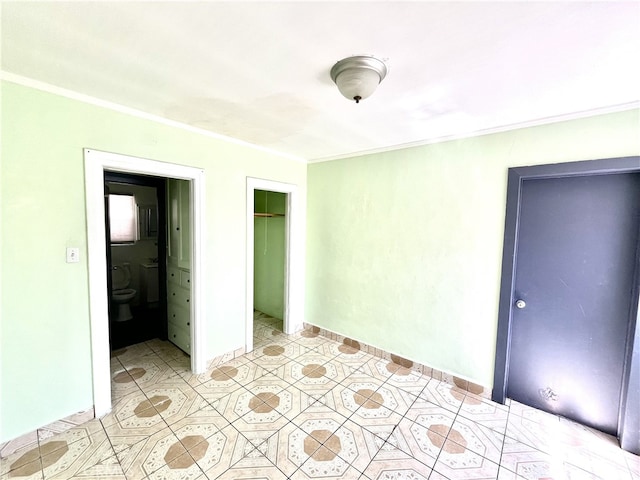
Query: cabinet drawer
[179, 296]
[179, 316]
[173, 275]
[179, 338]
[185, 279]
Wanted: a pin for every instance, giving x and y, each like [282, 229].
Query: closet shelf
[256, 214]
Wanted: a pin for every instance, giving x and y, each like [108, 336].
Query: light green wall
[268, 254]
[404, 248]
[45, 371]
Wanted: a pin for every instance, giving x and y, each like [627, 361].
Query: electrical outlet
[73, 255]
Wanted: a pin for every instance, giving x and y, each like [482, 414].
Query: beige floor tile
[31, 470]
[310, 370]
[480, 440]
[142, 458]
[546, 437]
[250, 372]
[504, 474]
[181, 365]
[302, 455]
[418, 441]
[362, 371]
[633, 462]
[150, 369]
[129, 431]
[362, 386]
[244, 473]
[309, 338]
[165, 349]
[394, 398]
[457, 462]
[392, 463]
[484, 412]
[222, 376]
[294, 447]
[317, 397]
[268, 380]
[320, 418]
[532, 414]
[89, 456]
[127, 406]
[347, 354]
[354, 444]
[61, 426]
[303, 406]
[437, 476]
[182, 468]
[405, 378]
[529, 462]
[431, 416]
[348, 399]
[106, 469]
[124, 355]
[322, 349]
[87, 429]
[335, 469]
[226, 448]
[378, 420]
[201, 424]
[212, 391]
[175, 401]
[23, 463]
[22, 443]
[123, 383]
[442, 394]
[603, 468]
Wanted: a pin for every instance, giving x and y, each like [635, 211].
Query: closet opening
[275, 260]
[269, 263]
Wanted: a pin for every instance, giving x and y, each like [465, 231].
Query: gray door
[575, 267]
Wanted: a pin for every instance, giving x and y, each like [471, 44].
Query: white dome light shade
[358, 77]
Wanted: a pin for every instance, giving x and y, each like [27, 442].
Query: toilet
[121, 295]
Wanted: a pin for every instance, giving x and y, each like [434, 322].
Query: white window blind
[122, 218]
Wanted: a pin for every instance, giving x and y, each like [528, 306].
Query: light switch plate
[73, 255]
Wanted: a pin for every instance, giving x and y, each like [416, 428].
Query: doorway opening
[136, 258]
[570, 280]
[96, 164]
[273, 282]
[269, 259]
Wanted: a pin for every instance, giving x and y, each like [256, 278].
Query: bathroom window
[123, 220]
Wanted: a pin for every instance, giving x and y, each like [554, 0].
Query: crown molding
[63, 92]
[489, 131]
[46, 87]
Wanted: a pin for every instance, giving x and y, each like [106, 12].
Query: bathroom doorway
[95, 164]
[136, 265]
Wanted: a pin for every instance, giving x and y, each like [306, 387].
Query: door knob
[520, 303]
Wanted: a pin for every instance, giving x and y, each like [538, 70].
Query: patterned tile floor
[302, 406]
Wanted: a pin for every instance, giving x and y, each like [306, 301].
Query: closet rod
[268, 214]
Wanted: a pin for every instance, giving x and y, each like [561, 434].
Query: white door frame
[293, 271]
[95, 164]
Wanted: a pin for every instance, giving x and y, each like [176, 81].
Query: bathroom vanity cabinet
[179, 307]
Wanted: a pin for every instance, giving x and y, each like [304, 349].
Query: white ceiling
[259, 71]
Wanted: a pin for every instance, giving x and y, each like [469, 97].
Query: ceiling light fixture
[358, 77]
